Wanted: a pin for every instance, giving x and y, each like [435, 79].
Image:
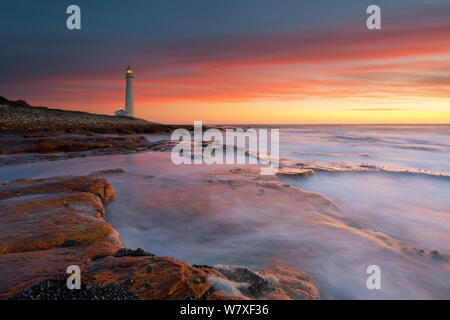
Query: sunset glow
[304, 73]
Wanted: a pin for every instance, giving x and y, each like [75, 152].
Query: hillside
[19, 116]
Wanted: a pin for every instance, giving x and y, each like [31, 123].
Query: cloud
[346, 62]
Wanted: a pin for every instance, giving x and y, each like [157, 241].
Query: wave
[408, 144]
[431, 149]
[343, 166]
[356, 138]
[333, 154]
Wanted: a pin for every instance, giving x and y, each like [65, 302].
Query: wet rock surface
[289, 282]
[275, 281]
[153, 277]
[29, 134]
[70, 143]
[294, 172]
[125, 252]
[433, 255]
[16, 149]
[257, 285]
[49, 224]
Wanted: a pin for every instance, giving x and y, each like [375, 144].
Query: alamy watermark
[227, 146]
[374, 280]
[373, 22]
[74, 280]
[73, 22]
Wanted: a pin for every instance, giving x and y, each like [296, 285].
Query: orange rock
[18, 271]
[290, 283]
[93, 184]
[40, 225]
[154, 277]
[48, 224]
[294, 172]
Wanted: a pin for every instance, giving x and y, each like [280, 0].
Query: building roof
[120, 113]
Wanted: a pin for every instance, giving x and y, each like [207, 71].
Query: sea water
[413, 208]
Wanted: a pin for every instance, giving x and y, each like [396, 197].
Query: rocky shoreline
[29, 134]
[15, 149]
[51, 223]
[18, 117]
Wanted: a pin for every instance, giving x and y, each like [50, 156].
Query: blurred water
[411, 207]
[170, 210]
[414, 146]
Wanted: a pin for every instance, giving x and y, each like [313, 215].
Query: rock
[19, 116]
[434, 254]
[88, 184]
[19, 148]
[257, 285]
[289, 283]
[56, 289]
[168, 278]
[21, 270]
[43, 222]
[294, 172]
[49, 224]
[275, 281]
[111, 171]
[125, 252]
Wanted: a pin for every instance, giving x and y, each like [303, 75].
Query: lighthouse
[129, 105]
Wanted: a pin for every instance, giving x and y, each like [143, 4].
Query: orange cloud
[382, 67]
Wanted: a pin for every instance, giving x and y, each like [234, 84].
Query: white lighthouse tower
[129, 104]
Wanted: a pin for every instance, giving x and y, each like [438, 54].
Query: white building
[129, 104]
[120, 113]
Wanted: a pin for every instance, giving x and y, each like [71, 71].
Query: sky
[234, 61]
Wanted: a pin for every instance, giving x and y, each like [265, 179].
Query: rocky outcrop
[291, 283]
[19, 116]
[294, 172]
[71, 144]
[16, 149]
[153, 277]
[49, 224]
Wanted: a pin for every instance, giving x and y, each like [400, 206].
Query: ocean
[401, 205]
